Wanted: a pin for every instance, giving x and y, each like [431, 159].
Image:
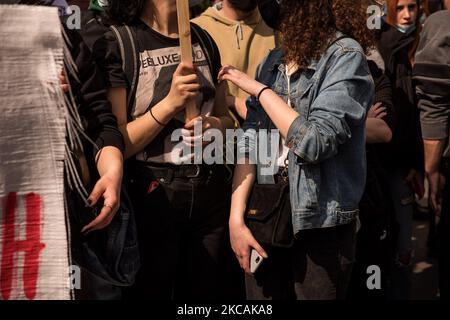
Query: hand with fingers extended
[242, 241]
[108, 188]
[240, 79]
[377, 111]
[185, 86]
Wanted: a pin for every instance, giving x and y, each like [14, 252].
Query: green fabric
[97, 5]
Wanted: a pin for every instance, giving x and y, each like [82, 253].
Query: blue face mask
[408, 29]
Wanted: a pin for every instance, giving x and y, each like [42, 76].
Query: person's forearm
[244, 177]
[278, 111]
[433, 153]
[281, 114]
[140, 132]
[221, 110]
[109, 160]
[238, 105]
[377, 131]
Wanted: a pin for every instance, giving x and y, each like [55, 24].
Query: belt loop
[197, 172]
[170, 174]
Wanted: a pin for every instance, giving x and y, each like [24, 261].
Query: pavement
[424, 278]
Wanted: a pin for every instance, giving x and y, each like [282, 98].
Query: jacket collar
[277, 61]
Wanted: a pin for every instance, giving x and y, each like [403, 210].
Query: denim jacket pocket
[302, 101]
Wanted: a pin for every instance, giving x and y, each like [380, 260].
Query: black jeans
[376, 242]
[182, 222]
[317, 267]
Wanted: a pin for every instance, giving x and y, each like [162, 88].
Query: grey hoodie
[432, 77]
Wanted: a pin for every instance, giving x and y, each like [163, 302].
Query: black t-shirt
[159, 57]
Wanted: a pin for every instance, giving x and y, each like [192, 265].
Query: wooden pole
[184, 30]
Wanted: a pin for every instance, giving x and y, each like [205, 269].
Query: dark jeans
[182, 227]
[95, 288]
[443, 237]
[317, 267]
[376, 242]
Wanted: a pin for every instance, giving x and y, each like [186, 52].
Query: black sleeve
[212, 50]
[216, 60]
[90, 94]
[107, 55]
[383, 93]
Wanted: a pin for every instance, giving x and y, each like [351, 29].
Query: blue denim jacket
[327, 164]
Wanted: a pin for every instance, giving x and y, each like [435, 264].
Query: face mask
[407, 29]
[243, 5]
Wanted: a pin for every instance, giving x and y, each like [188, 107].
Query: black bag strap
[128, 46]
[211, 50]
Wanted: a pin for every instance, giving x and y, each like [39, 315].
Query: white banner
[34, 255]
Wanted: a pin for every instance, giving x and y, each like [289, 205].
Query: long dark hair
[125, 11]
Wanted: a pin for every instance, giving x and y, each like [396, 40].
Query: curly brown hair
[307, 27]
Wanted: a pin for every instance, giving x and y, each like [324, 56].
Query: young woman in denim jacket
[320, 88]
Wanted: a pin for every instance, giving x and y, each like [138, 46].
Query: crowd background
[395, 193]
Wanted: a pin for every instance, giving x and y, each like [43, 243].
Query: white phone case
[255, 260]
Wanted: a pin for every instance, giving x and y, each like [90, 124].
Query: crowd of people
[362, 122]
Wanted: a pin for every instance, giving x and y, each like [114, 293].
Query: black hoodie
[406, 148]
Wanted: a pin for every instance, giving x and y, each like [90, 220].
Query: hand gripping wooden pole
[184, 30]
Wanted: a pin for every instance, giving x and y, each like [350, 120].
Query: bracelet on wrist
[260, 92]
[156, 120]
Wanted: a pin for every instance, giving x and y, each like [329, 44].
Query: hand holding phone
[255, 260]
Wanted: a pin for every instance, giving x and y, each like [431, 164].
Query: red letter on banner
[31, 246]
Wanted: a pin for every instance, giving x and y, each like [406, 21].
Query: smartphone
[255, 260]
